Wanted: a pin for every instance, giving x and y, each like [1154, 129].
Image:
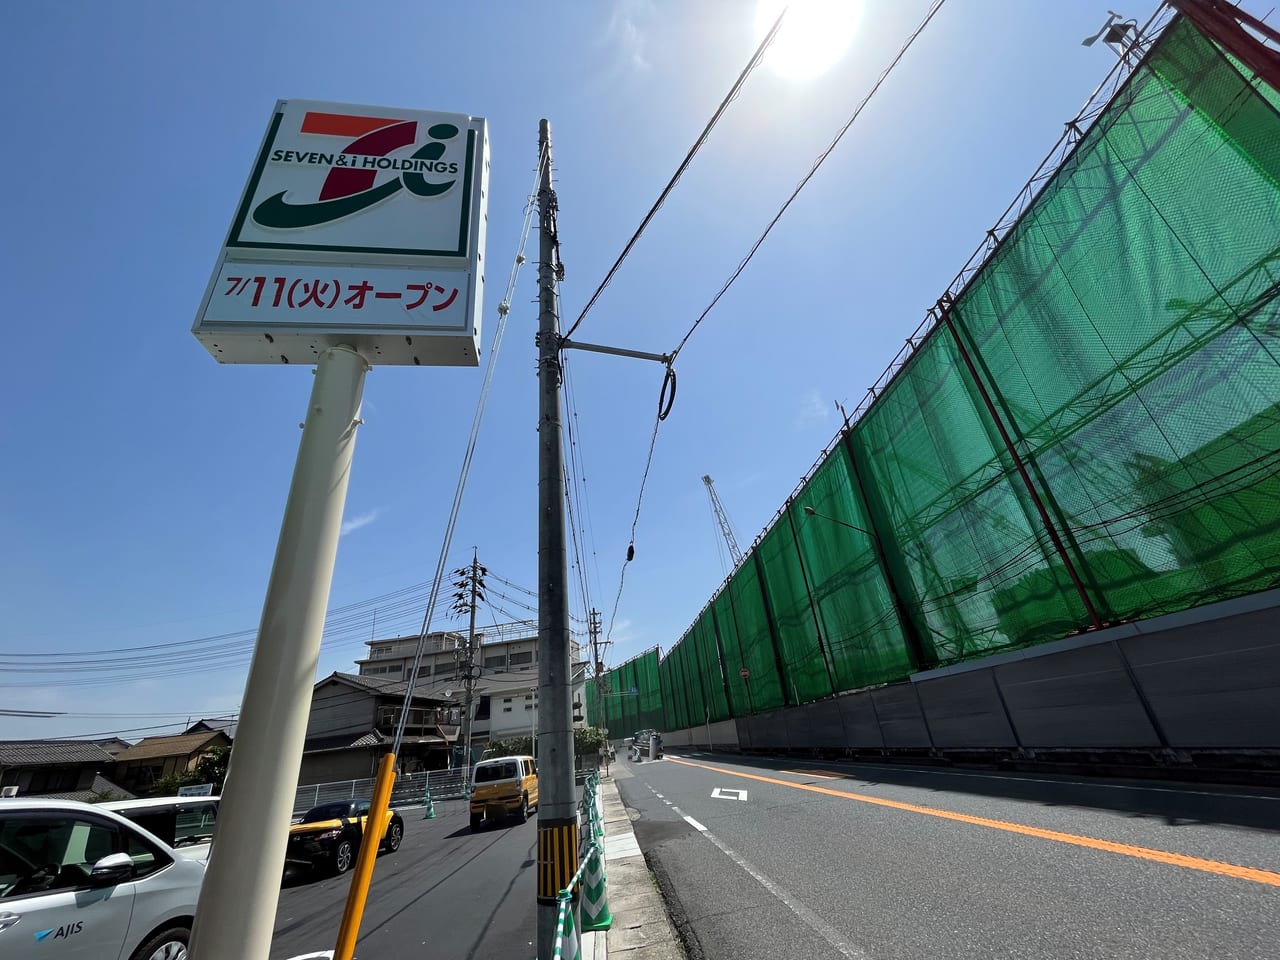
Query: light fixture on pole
[810, 512]
[1115, 33]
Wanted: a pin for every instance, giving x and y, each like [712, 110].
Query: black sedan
[330, 835]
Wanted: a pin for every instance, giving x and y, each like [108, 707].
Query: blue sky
[144, 483]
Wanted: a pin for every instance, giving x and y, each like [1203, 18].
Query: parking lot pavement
[446, 892]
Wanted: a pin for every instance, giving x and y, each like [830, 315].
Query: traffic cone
[431, 807]
[595, 905]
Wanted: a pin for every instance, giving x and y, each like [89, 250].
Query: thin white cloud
[626, 35]
[813, 410]
[358, 521]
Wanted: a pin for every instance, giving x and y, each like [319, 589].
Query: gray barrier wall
[1207, 679]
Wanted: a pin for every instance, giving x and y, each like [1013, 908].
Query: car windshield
[328, 811]
[496, 771]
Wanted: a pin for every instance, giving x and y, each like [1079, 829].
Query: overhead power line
[822, 157]
[684, 165]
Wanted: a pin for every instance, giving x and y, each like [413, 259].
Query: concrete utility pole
[557, 807]
[237, 910]
[471, 661]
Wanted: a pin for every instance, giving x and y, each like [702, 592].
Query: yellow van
[503, 787]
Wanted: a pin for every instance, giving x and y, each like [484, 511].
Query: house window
[518, 658]
[506, 709]
[506, 699]
[498, 661]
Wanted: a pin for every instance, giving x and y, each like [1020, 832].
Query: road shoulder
[641, 928]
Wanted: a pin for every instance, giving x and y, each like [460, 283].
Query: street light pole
[557, 803]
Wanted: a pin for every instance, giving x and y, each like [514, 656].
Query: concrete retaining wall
[1207, 679]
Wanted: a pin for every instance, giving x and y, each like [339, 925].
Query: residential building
[226, 724]
[353, 721]
[155, 757]
[506, 658]
[502, 648]
[113, 745]
[42, 767]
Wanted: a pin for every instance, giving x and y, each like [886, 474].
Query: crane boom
[722, 518]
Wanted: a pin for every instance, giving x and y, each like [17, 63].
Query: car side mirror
[113, 868]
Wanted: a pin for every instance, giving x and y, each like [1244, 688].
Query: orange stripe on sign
[343, 125]
[1142, 853]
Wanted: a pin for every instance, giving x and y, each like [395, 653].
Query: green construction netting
[855, 607]
[804, 667]
[1129, 331]
[631, 698]
[763, 688]
[1125, 334]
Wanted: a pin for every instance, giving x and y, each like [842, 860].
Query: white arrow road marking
[724, 793]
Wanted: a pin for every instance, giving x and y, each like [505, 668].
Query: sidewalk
[641, 929]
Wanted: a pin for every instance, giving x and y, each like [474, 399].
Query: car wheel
[395, 833]
[168, 944]
[476, 820]
[522, 815]
[343, 856]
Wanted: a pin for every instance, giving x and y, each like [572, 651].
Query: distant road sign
[744, 673]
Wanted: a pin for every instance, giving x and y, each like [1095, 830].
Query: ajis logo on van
[60, 933]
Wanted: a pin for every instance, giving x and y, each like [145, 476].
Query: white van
[184, 823]
[91, 885]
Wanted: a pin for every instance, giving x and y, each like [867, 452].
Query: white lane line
[657, 794]
[694, 823]
[815, 922]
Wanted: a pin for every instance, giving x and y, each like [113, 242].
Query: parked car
[81, 883]
[503, 787]
[184, 823]
[330, 835]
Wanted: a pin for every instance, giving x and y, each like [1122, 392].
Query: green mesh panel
[726, 624]
[755, 639]
[649, 704]
[595, 711]
[1129, 329]
[959, 516]
[797, 631]
[709, 667]
[854, 603]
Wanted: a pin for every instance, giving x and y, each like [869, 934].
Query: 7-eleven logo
[349, 186]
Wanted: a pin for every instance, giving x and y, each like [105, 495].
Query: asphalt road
[445, 893]
[827, 861]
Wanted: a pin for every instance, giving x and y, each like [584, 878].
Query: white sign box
[359, 225]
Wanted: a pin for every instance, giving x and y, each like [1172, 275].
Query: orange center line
[1252, 874]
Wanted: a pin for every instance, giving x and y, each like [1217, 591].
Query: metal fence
[409, 788]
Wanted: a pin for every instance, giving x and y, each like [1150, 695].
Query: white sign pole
[237, 906]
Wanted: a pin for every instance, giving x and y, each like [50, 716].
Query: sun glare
[813, 35]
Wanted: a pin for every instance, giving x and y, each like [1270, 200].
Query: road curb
[641, 929]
